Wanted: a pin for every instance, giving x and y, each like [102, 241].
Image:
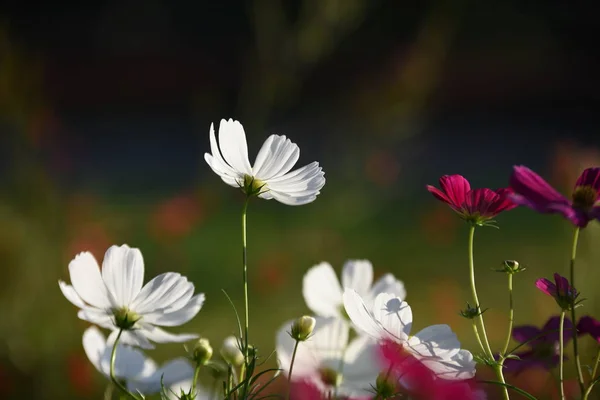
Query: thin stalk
[108, 392]
[113, 357]
[195, 381]
[487, 348]
[291, 368]
[561, 349]
[573, 313]
[477, 335]
[511, 314]
[595, 370]
[245, 277]
[593, 377]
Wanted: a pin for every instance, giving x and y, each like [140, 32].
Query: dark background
[104, 116]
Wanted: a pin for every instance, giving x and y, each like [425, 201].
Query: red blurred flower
[477, 206]
[176, 217]
[588, 325]
[80, 374]
[420, 382]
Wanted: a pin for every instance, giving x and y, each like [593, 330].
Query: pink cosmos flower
[477, 206]
[531, 190]
[588, 325]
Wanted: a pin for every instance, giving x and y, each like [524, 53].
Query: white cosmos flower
[270, 176]
[390, 318]
[326, 358]
[115, 299]
[323, 293]
[140, 373]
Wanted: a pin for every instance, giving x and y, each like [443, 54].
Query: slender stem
[573, 313]
[113, 357]
[245, 277]
[477, 335]
[487, 348]
[108, 392]
[195, 381]
[511, 314]
[291, 368]
[593, 377]
[595, 370]
[561, 349]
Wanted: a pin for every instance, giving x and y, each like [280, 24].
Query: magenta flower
[477, 206]
[532, 191]
[588, 325]
[543, 345]
[564, 294]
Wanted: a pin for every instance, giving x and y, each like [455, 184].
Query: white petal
[233, 146]
[161, 293]
[357, 275]
[361, 367]
[178, 317]
[329, 338]
[97, 317]
[229, 176]
[94, 345]
[276, 157]
[292, 200]
[435, 341]
[388, 284]
[321, 290]
[394, 315]
[129, 362]
[362, 317]
[136, 338]
[461, 366]
[123, 273]
[71, 294]
[87, 281]
[173, 371]
[158, 335]
[298, 187]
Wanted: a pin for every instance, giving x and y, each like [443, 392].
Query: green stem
[477, 335]
[115, 381]
[291, 368]
[245, 277]
[573, 313]
[195, 381]
[511, 314]
[487, 348]
[108, 392]
[594, 371]
[561, 349]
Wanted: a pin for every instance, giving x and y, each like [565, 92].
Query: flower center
[330, 377]
[585, 197]
[125, 319]
[253, 186]
[545, 351]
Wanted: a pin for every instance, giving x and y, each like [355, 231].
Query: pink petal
[456, 188]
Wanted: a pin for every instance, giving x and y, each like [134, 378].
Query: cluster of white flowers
[114, 298]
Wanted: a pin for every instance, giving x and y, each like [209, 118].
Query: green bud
[471, 312]
[385, 387]
[302, 328]
[202, 352]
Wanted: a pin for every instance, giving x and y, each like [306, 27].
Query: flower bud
[385, 387]
[202, 352]
[302, 328]
[471, 312]
[231, 352]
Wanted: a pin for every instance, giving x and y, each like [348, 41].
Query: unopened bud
[302, 328]
[471, 312]
[385, 387]
[202, 352]
[231, 352]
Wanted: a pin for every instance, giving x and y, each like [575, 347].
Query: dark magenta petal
[503, 203]
[562, 285]
[524, 333]
[478, 201]
[589, 326]
[546, 286]
[589, 177]
[534, 189]
[456, 188]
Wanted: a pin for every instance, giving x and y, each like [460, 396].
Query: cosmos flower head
[561, 290]
[390, 319]
[589, 325]
[116, 299]
[476, 206]
[531, 190]
[270, 176]
[543, 345]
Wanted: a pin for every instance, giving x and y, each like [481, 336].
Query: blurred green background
[104, 116]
